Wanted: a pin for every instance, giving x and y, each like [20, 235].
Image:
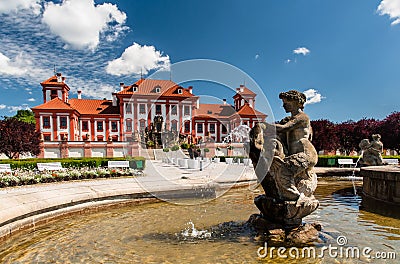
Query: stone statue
[284, 157]
[371, 151]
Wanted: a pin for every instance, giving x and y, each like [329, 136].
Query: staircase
[147, 154]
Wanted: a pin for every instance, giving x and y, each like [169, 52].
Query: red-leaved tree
[18, 137]
[390, 131]
[324, 135]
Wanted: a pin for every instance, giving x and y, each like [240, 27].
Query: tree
[390, 131]
[18, 137]
[364, 128]
[324, 136]
[26, 116]
[345, 134]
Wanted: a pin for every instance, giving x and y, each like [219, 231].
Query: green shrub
[175, 148]
[30, 164]
[185, 146]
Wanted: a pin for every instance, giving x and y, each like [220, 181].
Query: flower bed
[26, 177]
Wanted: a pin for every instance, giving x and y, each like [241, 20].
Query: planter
[228, 160]
[246, 162]
[183, 163]
[193, 164]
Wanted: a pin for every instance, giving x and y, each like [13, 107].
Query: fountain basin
[203, 233]
[382, 183]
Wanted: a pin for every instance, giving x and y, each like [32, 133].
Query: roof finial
[54, 69]
[170, 74]
[141, 73]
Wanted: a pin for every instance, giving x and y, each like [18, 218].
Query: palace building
[77, 127]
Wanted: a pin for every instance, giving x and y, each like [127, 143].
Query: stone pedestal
[87, 150]
[64, 149]
[211, 146]
[110, 150]
[135, 149]
[302, 234]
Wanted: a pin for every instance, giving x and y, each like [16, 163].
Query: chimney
[191, 89]
[114, 99]
[224, 100]
[121, 85]
[237, 90]
[241, 88]
[59, 77]
[79, 94]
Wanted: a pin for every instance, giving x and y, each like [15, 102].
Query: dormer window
[179, 91]
[134, 89]
[157, 89]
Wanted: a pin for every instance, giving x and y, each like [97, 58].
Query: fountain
[238, 134]
[283, 163]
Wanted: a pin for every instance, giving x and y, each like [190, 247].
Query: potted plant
[230, 150]
[166, 150]
[150, 144]
[205, 151]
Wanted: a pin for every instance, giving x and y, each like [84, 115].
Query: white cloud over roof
[313, 96]
[79, 23]
[138, 59]
[8, 6]
[301, 50]
[390, 8]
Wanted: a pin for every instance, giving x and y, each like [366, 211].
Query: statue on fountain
[371, 151]
[284, 157]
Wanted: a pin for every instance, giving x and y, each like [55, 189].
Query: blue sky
[344, 53]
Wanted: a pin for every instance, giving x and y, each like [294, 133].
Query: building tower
[55, 87]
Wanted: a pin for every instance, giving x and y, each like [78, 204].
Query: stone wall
[382, 183]
[88, 149]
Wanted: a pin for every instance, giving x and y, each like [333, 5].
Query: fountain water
[238, 134]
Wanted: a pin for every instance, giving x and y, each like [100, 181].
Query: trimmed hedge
[30, 164]
[323, 160]
[332, 161]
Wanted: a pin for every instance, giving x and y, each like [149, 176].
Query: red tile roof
[148, 87]
[216, 111]
[82, 106]
[94, 107]
[54, 104]
[52, 81]
[245, 91]
[247, 110]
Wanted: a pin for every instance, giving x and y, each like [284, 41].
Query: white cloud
[8, 6]
[10, 67]
[2, 106]
[313, 96]
[94, 91]
[31, 100]
[80, 22]
[257, 56]
[390, 8]
[136, 59]
[288, 61]
[301, 50]
[21, 65]
[13, 108]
